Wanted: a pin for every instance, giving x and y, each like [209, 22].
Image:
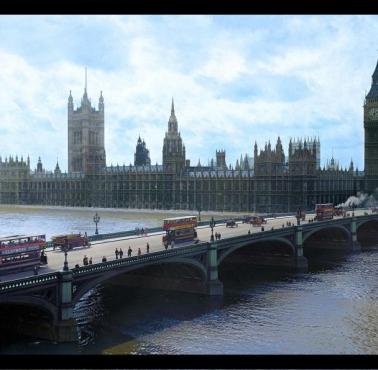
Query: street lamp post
[212, 224]
[298, 216]
[96, 220]
[199, 214]
[65, 266]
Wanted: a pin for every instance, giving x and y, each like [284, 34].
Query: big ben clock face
[373, 113]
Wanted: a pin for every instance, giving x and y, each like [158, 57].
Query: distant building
[264, 180]
[142, 154]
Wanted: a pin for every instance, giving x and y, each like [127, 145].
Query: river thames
[332, 309]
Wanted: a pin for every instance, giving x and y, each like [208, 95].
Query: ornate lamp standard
[298, 216]
[212, 224]
[199, 213]
[65, 266]
[96, 220]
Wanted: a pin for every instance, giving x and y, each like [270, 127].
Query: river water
[332, 309]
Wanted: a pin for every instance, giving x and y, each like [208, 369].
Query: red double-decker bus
[179, 229]
[324, 211]
[20, 252]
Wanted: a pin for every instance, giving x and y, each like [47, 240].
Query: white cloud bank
[232, 83]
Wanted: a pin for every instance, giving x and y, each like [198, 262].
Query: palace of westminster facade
[273, 183]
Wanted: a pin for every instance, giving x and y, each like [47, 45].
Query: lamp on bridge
[212, 224]
[298, 216]
[96, 220]
[199, 213]
[65, 248]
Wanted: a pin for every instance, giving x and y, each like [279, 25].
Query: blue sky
[235, 79]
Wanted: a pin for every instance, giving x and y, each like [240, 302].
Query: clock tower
[371, 135]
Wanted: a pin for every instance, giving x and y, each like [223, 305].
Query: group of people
[87, 262]
[141, 231]
[119, 253]
[217, 236]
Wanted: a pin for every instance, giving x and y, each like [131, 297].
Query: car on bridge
[231, 223]
[257, 221]
[70, 241]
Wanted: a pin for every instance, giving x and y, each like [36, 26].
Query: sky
[234, 79]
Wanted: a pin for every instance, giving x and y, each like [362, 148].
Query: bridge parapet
[29, 282]
[268, 234]
[136, 260]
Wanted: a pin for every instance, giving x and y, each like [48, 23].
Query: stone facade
[268, 182]
[86, 149]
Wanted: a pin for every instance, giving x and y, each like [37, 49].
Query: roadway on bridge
[107, 247]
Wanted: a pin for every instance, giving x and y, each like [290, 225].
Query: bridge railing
[6, 286]
[150, 257]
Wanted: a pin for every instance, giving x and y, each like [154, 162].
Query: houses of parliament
[265, 181]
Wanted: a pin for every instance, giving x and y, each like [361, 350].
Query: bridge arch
[249, 243]
[84, 288]
[346, 232]
[36, 302]
[362, 223]
[367, 232]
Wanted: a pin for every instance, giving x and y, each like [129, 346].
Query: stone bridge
[192, 268]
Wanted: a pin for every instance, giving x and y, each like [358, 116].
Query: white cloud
[232, 84]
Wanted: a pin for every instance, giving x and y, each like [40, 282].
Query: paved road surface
[107, 247]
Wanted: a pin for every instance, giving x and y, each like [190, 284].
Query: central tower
[371, 135]
[86, 151]
[173, 149]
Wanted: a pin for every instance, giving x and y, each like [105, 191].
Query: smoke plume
[361, 200]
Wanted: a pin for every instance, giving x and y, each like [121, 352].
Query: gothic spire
[85, 88]
[373, 93]
[172, 123]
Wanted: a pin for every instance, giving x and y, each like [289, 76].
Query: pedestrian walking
[85, 260]
[77, 266]
[166, 245]
[103, 259]
[116, 253]
[262, 228]
[120, 253]
[35, 270]
[90, 260]
[139, 252]
[129, 252]
[219, 236]
[249, 232]
[148, 248]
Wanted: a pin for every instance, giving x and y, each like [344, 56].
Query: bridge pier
[65, 326]
[214, 286]
[355, 245]
[301, 263]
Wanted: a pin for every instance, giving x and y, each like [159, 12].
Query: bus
[21, 252]
[179, 229]
[324, 211]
